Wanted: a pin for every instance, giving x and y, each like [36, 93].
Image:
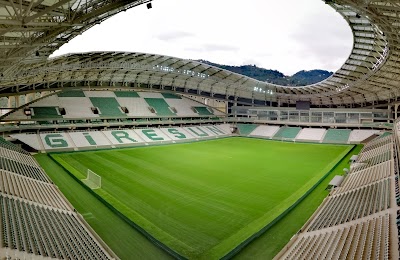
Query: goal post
[92, 180]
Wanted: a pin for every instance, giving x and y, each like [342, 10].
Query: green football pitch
[203, 199]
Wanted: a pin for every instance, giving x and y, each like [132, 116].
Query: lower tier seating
[368, 239]
[337, 136]
[45, 232]
[287, 132]
[353, 205]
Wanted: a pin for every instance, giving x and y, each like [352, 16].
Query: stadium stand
[368, 239]
[31, 190]
[266, 131]
[246, 129]
[108, 106]
[354, 220]
[77, 107]
[36, 221]
[183, 107]
[160, 106]
[311, 134]
[337, 136]
[359, 203]
[45, 112]
[361, 135]
[360, 178]
[83, 140]
[203, 111]
[287, 132]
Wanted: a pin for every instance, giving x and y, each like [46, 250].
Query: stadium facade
[177, 100]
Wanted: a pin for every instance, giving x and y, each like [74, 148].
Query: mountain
[300, 78]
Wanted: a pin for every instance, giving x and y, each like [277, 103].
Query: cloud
[173, 36]
[212, 47]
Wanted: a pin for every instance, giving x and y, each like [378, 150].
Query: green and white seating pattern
[36, 221]
[112, 104]
[82, 140]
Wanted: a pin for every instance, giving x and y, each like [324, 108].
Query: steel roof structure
[370, 75]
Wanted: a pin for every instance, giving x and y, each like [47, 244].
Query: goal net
[92, 180]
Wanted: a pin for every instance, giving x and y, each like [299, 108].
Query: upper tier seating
[337, 136]
[311, 134]
[160, 106]
[287, 132]
[45, 112]
[203, 111]
[108, 106]
[112, 104]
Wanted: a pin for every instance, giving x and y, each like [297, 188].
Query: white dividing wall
[314, 134]
[77, 107]
[30, 139]
[135, 106]
[123, 137]
[152, 135]
[265, 131]
[360, 135]
[89, 139]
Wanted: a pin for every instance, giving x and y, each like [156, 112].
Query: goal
[92, 180]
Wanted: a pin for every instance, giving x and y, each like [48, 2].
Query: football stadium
[117, 155]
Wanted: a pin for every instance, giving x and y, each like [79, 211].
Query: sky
[286, 35]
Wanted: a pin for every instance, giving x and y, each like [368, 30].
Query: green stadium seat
[131, 94]
[160, 106]
[246, 129]
[72, 93]
[337, 136]
[203, 111]
[45, 112]
[108, 106]
[287, 132]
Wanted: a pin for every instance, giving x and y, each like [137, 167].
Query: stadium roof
[31, 30]
[370, 74]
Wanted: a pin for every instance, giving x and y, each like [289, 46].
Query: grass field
[203, 199]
